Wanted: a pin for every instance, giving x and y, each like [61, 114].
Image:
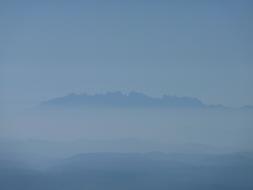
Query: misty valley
[142, 146]
[126, 95]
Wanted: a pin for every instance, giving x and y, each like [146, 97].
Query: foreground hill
[148, 171]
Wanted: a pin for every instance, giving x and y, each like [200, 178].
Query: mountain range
[133, 99]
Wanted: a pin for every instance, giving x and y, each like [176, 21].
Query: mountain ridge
[132, 99]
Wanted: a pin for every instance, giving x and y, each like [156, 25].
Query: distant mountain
[247, 107]
[133, 99]
[112, 160]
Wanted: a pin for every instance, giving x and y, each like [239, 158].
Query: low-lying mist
[129, 130]
[112, 147]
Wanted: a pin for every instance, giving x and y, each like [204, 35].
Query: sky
[202, 49]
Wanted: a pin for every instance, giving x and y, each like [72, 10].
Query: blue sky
[187, 48]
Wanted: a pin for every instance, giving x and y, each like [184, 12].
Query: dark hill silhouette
[135, 171]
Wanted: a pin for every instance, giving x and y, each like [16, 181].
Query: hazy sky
[187, 48]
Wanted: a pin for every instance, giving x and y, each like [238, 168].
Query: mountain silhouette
[118, 99]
